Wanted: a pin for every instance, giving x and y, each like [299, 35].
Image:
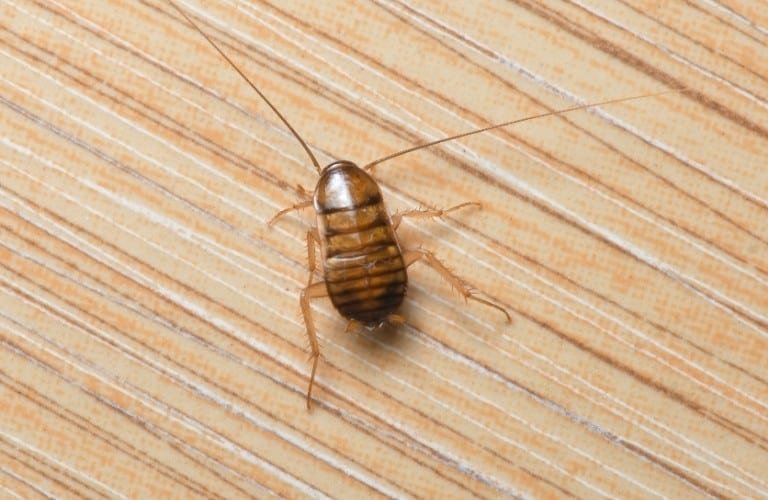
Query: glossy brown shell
[363, 266]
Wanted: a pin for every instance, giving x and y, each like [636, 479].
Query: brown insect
[364, 266]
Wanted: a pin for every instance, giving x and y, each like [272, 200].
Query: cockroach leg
[422, 213]
[311, 291]
[396, 320]
[313, 238]
[295, 206]
[411, 256]
[353, 326]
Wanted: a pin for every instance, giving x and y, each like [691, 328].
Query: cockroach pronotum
[364, 266]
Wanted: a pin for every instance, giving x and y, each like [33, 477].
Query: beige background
[150, 334]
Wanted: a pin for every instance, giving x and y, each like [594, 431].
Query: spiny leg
[396, 319]
[422, 213]
[353, 326]
[311, 291]
[313, 237]
[304, 203]
[296, 206]
[411, 256]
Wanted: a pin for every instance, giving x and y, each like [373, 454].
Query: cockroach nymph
[364, 266]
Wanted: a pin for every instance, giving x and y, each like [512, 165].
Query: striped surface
[150, 337]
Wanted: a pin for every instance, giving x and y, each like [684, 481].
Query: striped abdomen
[363, 267]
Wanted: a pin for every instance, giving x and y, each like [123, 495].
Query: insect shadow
[364, 265]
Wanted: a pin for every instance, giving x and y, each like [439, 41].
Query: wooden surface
[150, 337]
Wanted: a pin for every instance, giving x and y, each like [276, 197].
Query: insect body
[364, 266]
[362, 263]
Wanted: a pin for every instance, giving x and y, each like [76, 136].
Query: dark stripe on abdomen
[357, 205]
[369, 286]
[373, 308]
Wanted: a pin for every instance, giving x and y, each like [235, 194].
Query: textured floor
[151, 342]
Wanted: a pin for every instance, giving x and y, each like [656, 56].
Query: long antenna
[253, 86]
[519, 120]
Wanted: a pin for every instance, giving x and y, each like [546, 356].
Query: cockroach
[364, 265]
